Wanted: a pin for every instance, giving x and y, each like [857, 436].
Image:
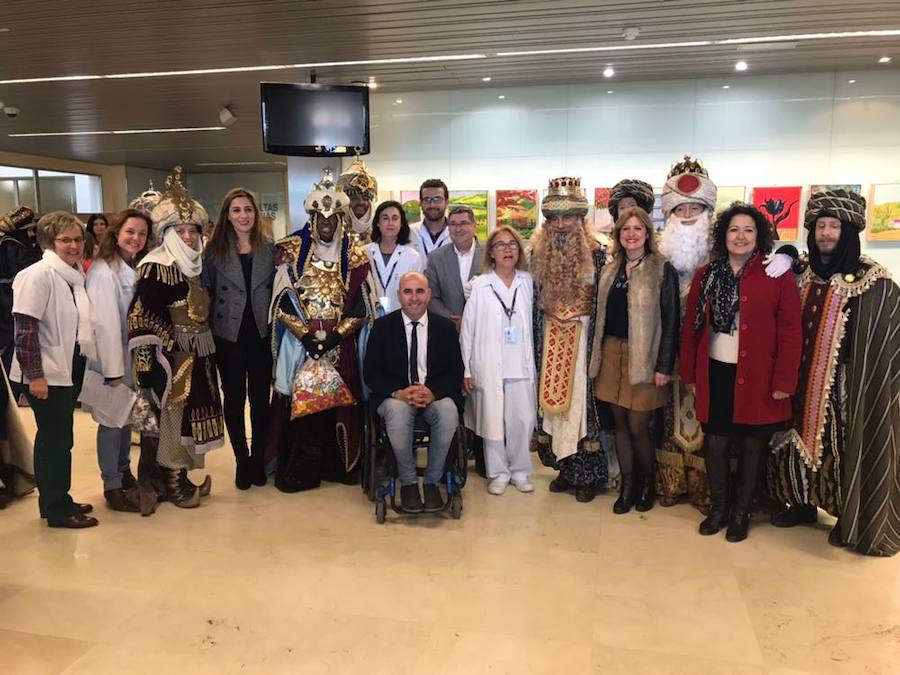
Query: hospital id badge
[510, 335]
[385, 303]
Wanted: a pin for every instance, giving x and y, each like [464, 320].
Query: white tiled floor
[261, 582]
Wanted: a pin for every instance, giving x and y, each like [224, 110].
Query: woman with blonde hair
[53, 334]
[238, 271]
[635, 345]
[498, 357]
[110, 286]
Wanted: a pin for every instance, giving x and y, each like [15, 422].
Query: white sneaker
[497, 486]
[523, 484]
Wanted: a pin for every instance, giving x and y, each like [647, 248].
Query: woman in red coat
[740, 348]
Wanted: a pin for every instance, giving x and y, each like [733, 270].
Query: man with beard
[565, 263]
[432, 233]
[320, 302]
[841, 454]
[361, 188]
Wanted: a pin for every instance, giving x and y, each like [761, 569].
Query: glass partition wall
[45, 191]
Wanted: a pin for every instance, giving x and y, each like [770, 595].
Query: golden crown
[687, 165]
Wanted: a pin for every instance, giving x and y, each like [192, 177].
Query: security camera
[11, 112]
[227, 117]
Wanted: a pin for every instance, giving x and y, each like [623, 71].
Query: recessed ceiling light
[740, 66]
[851, 81]
[372, 83]
[399, 101]
[726, 86]
[117, 132]
[501, 97]
[884, 59]
[609, 91]
[485, 79]
[608, 71]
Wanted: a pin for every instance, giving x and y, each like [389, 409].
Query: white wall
[769, 130]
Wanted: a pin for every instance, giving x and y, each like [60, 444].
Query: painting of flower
[781, 205]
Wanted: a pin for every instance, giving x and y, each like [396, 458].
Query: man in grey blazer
[450, 268]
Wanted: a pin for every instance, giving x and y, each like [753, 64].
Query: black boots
[242, 475]
[792, 516]
[748, 466]
[410, 499]
[626, 495]
[560, 484]
[647, 496]
[121, 499]
[719, 479]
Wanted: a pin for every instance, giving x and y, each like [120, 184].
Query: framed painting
[884, 213]
[603, 220]
[781, 205]
[726, 195]
[518, 209]
[477, 200]
[411, 205]
[853, 187]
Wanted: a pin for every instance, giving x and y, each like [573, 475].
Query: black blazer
[386, 368]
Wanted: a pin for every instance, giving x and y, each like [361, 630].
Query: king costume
[841, 454]
[172, 356]
[568, 431]
[321, 300]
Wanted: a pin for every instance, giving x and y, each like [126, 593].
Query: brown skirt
[613, 386]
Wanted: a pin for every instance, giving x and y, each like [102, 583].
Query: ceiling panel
[102, 37]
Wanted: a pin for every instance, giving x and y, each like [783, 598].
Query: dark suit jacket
[386, 368]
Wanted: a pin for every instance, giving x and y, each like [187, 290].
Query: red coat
[769, 346]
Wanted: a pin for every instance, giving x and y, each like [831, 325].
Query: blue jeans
[113, 455]
[399, 420]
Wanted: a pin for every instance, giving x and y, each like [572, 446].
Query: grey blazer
[228, 294]
[442, 270]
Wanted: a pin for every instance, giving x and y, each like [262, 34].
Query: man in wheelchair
[414, 367]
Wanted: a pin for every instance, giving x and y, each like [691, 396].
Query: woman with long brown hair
[238, 270]
[110, 286]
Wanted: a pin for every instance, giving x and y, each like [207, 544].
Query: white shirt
[110, 289]
[422, 342]
[465, 262]
[724, 347]
[40, 292]
[387, 275]
[423, 240]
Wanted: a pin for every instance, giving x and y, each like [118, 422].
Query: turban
[357, 180]
[846, 206]
[175, 207]
[146, 200]
[18, 217]
[638, 190]
[564, 197]
[326, 198]
[688, 182]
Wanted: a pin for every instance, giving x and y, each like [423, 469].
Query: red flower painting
[781, 205]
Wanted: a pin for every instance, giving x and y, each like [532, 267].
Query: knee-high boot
[739, 522]
[719, 479]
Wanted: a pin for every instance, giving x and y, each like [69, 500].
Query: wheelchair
[378, 467]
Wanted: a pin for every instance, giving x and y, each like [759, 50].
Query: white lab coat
[422, 241]
[40, 292]
[404, 259]
[481, 338]
[111, 289]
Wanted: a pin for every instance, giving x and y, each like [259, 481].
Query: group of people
[693, 363]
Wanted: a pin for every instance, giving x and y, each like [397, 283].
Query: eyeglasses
[65, 241]
[432, 200]
[497, 245]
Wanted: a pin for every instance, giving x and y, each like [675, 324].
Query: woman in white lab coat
[389, 254]
[110, 287]
[498, 356]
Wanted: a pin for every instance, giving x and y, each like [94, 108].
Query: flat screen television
[314, 120]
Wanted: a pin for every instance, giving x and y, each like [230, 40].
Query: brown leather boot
[122, 500]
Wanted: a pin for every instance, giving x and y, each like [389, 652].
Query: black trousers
[245, 370]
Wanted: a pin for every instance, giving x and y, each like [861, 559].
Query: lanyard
[509, 311]
[429, 244]
[378, 265]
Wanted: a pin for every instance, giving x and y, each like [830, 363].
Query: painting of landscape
[518, 209]
[884, 213]
[477, 200]
[726, 195]
[411, 205]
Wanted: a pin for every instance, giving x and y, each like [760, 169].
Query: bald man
[414, 367]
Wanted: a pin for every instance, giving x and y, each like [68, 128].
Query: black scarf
[721, 287]
[844, 260]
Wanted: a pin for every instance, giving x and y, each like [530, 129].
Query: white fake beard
[686, 246]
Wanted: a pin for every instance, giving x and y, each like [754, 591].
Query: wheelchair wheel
[380, 511]
[456, 506]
